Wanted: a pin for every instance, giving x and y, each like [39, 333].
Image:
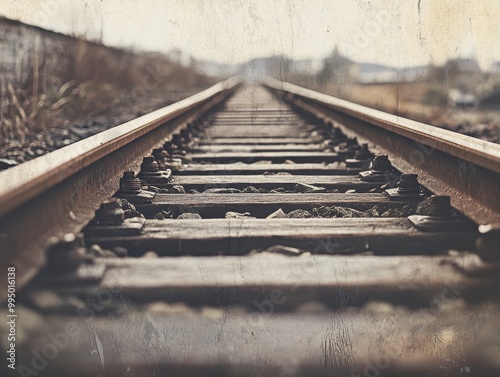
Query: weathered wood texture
[269, 156]
[261, 205]
[259, 131]
[334, 280]
[341, 183]
[255, 141]
[164, 339]
[240, 236]
[257, 148]
[334, 168]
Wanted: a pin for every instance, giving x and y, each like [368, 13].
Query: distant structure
[337, 68]
[274, 66]
[368, 73]
[277, 66]
[464, 75]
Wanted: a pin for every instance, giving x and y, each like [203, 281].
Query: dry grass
[418, 100]
[95, 79]
[424, 102]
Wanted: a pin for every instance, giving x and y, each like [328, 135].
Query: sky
[398, 33]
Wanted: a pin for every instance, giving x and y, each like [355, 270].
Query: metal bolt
[435, 206]
[330, 125]
[347, 150]
[150, 172]
[185, 133]
[363, 153]
[168, 147]
[352, 141]
[180, 143]
[159, 154]
[381, 164]
[335, 136]
[129, 183]
[160, 157]
[149, 164]
[408, 184]
[110, 213]
[337, 133]
[194, 126]
[177, 139]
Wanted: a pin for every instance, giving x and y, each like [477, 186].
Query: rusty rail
[26, 181]
[58, 193]
[448, 163]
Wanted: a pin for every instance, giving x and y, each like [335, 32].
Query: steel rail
[448, 163]
[27, 180]
[58, 192]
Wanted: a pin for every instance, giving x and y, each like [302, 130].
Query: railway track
[257, 230]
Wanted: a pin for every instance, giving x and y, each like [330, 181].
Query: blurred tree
[336, 68]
